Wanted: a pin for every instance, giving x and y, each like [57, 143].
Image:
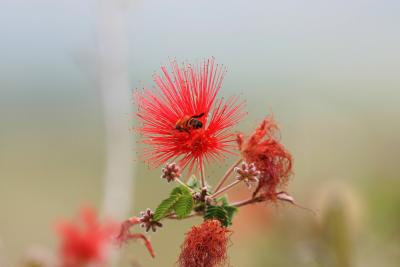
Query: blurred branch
[112, 75]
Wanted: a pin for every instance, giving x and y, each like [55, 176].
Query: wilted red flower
[125, 235]
[184, 119]
[205, 245]
[269, 155]
[85, 241]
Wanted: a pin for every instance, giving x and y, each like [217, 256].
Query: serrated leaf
[222, 213]
[183, 206]
[230, 210]
[176, 191]
[216, 212]
[165, 207]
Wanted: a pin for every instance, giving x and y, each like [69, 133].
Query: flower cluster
[170, 172]
[247, 173]
[186, 126]
[183, 120]
[147, 221]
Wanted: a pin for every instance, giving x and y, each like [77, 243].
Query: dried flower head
[269, 156]
[205, 245]
[146, 220]
[247, 173]
[85, 241]
[184, 119]
[170, 172]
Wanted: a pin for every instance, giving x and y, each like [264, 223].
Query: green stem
[174, 217]
[183, 184]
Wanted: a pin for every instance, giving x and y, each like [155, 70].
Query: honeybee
[186, 123]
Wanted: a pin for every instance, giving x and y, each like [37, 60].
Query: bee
[186, 123]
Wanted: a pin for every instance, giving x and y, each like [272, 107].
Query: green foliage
[180, 190]
[180, 201]
[165, 207]
[183, 206]
[222, 213]
[230, 210]
[216, 212]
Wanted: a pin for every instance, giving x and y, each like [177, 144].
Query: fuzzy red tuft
[205, 245]
[270, 157]
[86, 241]
[185, 92]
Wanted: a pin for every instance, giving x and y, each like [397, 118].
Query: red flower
[270, 157]
[205, 245]
[86, 241]
[184, 119]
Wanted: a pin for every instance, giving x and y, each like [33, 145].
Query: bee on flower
[184, 119]
[185, 125]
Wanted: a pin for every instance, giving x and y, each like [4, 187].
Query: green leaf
[216, 212]
[184, 206]
[180, 200]
[222, 213]
[165, 207]
[230, 210]
[180, 190]
[176, 191]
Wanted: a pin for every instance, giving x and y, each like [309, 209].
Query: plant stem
[248, 201]
[183, 184]
[203, 179]
[174, 217]
[229, 186]
[227, 174]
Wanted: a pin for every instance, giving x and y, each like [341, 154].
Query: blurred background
[328, 70]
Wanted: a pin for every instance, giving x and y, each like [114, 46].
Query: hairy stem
[203, 179]
[227, 174]
[248, 201]
[226, 188]
[174, 217]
